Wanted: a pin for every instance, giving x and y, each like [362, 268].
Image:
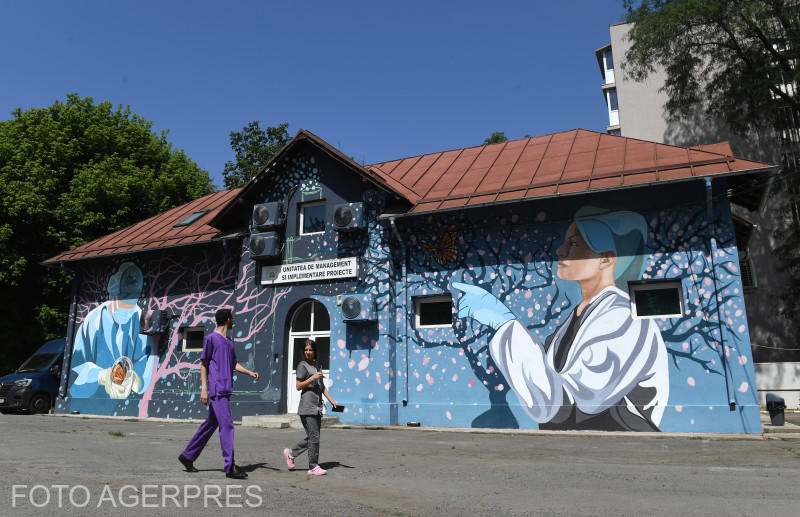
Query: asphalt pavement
[106, 467]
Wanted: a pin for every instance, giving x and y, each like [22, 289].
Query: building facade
[570, 281]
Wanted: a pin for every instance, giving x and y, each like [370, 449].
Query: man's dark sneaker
[236, 473]
[187, 464]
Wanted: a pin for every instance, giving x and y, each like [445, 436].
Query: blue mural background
[512, 254]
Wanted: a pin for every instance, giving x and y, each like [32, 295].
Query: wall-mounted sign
[331, 269]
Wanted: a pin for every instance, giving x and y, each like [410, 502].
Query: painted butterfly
[446, 251]
[118, 372]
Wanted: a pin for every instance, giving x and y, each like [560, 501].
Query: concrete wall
[780, 379]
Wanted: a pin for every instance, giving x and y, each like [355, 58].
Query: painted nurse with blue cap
[110, 356]
[601, 368]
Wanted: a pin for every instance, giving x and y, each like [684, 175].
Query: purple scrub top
[220, 358]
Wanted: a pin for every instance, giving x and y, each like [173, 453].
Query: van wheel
[40, 403]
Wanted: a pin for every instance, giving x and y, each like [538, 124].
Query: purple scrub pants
[219, 415]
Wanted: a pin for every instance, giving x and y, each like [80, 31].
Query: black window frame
[653, 285]
[420, 301]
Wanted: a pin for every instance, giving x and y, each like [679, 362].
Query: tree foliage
[71, 173]
[496, 138]
[738, 60]
[253, 147]
[733, 57]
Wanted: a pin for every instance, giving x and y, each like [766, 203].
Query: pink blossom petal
[744, 387]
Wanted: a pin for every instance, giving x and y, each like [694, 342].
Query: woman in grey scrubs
[309, 381]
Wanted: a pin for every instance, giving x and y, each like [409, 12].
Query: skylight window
[189, 219]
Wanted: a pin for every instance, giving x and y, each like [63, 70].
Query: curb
[769, 432]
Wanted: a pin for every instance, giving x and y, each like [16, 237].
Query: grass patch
[117, 434]
[793, 452]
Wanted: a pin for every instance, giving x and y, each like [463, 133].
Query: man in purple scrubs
[218, 362]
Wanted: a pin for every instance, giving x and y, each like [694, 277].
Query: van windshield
[36, 363]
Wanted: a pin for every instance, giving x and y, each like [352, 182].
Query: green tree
[496, 138]
[738, 61]
[733, 57]
[253, 147]
[71, 173]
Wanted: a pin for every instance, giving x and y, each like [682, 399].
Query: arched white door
[309, 321]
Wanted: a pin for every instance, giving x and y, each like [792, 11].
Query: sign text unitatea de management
[310, 271]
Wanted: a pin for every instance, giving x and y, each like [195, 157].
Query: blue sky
[378, 80]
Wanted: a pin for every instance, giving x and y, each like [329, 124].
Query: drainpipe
[404, 311]
[713, 251]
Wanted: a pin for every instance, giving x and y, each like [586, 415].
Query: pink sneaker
[317, 471]
[287, 453]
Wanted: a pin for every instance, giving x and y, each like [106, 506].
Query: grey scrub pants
[311, 423]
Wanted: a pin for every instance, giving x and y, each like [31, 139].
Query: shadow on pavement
[334, 464]
[253, 466]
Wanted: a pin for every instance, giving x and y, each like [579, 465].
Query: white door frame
[292, 395]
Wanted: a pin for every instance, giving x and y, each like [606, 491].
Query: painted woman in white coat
[602, 368]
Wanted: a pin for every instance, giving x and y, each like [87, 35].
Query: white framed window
[312, 218]
[433, 311]
[193, 339]
[656, 299]
[609, 57]
[613, 102]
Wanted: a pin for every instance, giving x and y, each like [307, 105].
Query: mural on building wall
[363, 358]
[511, 277]
[698, 361]
[709, 347]
[191, 289]
[193, 295]
[505, 255]
[110, 357]
[600, 368]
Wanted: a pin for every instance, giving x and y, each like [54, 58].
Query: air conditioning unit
[265, 245]
[268, 215]
[358, 308]
[155, 322]
[349, 217]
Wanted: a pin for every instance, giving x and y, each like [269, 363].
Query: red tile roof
[569, 162]
[557, 164]
[158, 231]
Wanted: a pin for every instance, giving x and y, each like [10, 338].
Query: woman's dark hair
[313, 345]
[222, 316]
